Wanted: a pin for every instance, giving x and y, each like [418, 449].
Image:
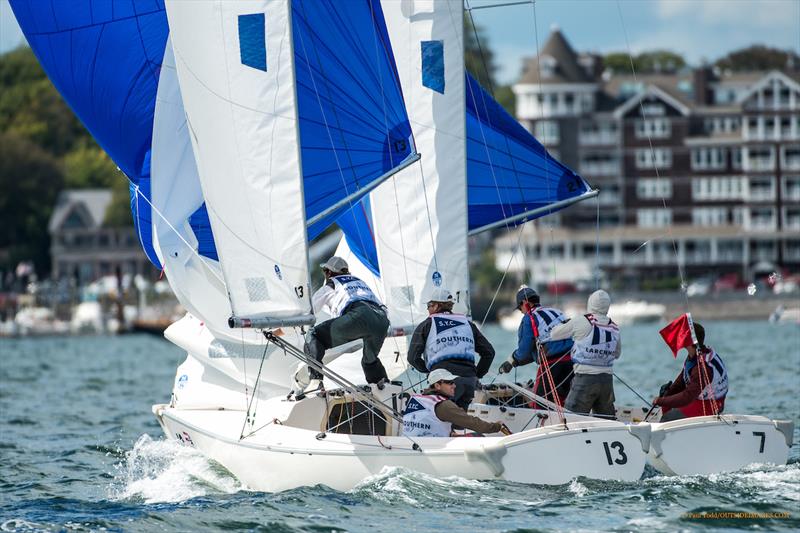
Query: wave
[162, 470]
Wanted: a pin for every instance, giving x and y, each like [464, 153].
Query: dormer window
[548, 66]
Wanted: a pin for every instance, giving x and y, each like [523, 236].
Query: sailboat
[248, 127]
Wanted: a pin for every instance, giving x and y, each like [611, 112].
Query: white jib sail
[420, 214]
[235, 65]
[176, 194]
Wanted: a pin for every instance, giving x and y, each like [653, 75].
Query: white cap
[335, 264]
[441, 295]
[440, 374]
[598, 303]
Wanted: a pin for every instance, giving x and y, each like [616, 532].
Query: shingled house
[722, 177]
[83, 247]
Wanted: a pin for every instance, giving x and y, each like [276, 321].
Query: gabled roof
[652, 90]
[89, 204]
[760, 84]
[566, 68]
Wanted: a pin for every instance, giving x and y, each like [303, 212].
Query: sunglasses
[447, 381]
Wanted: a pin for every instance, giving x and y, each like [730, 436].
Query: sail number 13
[619, 452]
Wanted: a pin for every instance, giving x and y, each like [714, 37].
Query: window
[656, 128]
[791, 188]
[730, 251]
[708, 158]
[660, 157]
[736, 158]
[790, 157]
[600, 163]
[709, 216]
[546, 131]
[653, 218]
[791, 218]
[762, 218]
[759, 158]
[654, 188]
[717, 188]
[761, 188]
[603, 132]
[653, 110]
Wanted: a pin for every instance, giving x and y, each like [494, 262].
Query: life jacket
[718, 388]
[450, 337]
[348, 289]
[597, 348]
[419, 417]
[548, 318]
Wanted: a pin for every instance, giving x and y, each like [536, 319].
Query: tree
[90, 167]
[479, 62]
[645, 63]
[30, 180]
[758, 57]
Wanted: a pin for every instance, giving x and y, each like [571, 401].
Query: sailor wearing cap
[432, 413]
[451, 341]
[357, 314]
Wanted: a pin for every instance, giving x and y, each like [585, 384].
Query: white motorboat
[636, 312]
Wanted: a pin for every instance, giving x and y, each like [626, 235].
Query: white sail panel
[420, 215]
[235, 65]
[176, 194]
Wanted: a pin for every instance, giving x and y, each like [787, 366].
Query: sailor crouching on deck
[432, 413]
[687, 397]
[597, 344]
[534, 333]
[451, 341]
[357, 314]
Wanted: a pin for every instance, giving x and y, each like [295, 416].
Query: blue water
[80, 450]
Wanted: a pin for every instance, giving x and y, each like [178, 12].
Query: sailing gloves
[507, 365]
[664, 388]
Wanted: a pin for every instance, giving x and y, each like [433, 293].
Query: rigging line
[653, 159]
[546, 153]
[255, 391]
[632, 389]
[396, 201]
[506, 4]
[327, 126]
[244, 366]
[502, 279]
[203, 260]
[597, 246]
[486, 108]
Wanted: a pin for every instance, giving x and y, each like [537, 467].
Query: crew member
[451, 341]
[556, 352]
[433, 414]
[597, 344]
[357, 314]
[686, 396]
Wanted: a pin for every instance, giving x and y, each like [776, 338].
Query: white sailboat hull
[280, 457]
[709, 445]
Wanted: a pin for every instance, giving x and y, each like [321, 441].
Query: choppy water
[80, 450]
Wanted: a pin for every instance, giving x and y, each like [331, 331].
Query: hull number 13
[619, 452]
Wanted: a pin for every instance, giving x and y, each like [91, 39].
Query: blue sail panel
[104, 59]
[353, 123]
[508, 171]
[356, 224]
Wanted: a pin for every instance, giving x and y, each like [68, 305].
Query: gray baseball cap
[335, 264]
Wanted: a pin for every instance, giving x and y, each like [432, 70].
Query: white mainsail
[420, 214]
[235, 65]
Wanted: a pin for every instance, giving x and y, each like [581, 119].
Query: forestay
[420, 215]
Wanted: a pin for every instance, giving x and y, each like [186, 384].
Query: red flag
[679, 333]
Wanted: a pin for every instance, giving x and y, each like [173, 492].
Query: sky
[697, 29]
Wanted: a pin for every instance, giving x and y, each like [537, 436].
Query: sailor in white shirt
[357, 314]
[597, 344]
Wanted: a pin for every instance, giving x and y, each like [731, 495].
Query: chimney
[702, 76]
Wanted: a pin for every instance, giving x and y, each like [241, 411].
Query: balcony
[600, 168]
[597, 138]
[758, 164]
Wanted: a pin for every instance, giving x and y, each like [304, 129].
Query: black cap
[526, 294]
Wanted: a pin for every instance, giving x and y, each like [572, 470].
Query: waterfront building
[698, 167]
[83, 247]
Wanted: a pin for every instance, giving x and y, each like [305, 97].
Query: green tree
[30, 180]
[90, 167]
[644, 63]
[758, 57]
[479, 62]
[118, 214]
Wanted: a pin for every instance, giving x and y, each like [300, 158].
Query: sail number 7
[620, 452]
[763, 436]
